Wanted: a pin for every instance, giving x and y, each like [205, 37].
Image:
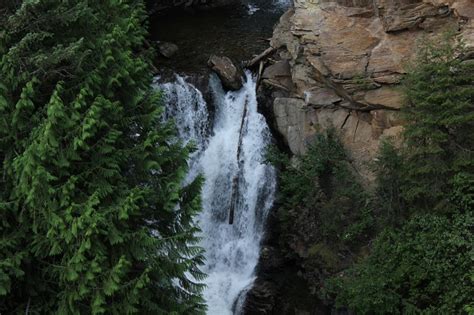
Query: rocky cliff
[339, 63]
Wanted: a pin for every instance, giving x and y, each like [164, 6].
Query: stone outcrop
[279, 287]
[230, 75]
[339, 64]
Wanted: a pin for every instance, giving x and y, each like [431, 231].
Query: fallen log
[259, 76]
[235, 180]
[254, 61]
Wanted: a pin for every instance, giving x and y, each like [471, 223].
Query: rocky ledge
[339, 63]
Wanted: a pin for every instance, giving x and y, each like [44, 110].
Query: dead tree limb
[235, 180]
[259, 76]
[254, 61]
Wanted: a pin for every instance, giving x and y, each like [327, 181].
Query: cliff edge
[339, 63]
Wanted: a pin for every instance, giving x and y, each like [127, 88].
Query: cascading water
[233, 151]
[187, 107]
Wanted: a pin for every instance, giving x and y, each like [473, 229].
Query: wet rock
[270, 259]
[230, 75]
[167, 49]
[260, 299]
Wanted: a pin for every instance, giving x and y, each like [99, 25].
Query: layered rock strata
[339, 64]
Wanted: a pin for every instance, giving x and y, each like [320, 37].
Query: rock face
[230, 75]
[279, 287]
[339, 63]
[261, 299]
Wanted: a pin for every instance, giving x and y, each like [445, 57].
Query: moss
[327, 255]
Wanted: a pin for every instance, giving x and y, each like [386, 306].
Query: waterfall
[187, 107]
[232, 251]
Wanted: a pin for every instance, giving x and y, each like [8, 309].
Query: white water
[232, 251]
[252, 8]
[187, 107]
[282, 4]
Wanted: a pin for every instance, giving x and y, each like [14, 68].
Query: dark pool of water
[238, 32]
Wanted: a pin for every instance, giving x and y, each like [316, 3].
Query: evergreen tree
[423, 268]
[388, 168]
[424, 265]
[322, 206]
[94, 218]
[440, 115]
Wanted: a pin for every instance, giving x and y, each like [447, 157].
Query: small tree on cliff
[439, 135]
[425, 265]
[94, 218]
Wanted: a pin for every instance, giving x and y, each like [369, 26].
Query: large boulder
[167, 49]
[230, 75]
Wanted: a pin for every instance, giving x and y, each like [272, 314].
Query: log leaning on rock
[256, 59]
[235, 180]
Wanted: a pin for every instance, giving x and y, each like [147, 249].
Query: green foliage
[94, 217]
[388, 168]
[463, 191]
[424, 268]
[423, 260]
[326, 253]
[439, 141]
[319, 194]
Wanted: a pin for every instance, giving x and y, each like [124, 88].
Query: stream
[238, 32]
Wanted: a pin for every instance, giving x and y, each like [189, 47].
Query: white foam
[232, 251]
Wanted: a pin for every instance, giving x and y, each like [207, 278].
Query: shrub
[320, 199]
[424, 267]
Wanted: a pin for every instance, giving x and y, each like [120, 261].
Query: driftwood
[259, 76]
[235, 180]
[254, 61]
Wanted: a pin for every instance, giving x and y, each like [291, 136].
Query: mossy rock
[327, 255]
